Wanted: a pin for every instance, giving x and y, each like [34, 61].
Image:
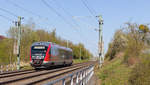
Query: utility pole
[18, 24]
[67, 44]
[100, 43]
[80, 53]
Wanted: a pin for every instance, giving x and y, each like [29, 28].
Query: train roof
[41, 43]
[62, 47]
[47, 44]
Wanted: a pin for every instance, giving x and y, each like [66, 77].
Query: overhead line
[6, 18]
[69, 14]
[28, 11]
[88, 8]
[4, 10]
[66, 13]
[58, 14]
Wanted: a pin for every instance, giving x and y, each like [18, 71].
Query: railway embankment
[114, 73]
[127, 60]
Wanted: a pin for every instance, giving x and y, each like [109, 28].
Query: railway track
[11, 72]
[15, 73]
[34, 77]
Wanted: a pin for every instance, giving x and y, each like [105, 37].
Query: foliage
[29, 36]
[140, 74]
[114, 73]
[118, 44]
[135, 43]
[79, 61]
[129, 40]
[133, 67]
[85, 54]
[6, 51]
[144, 28]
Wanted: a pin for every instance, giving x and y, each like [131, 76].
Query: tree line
[28, 36]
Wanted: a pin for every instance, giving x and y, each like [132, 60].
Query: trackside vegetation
[128, 57]
[79, 60]
[31, 35]
[114, 73]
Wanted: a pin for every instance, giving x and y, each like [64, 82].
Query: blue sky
[115, 13]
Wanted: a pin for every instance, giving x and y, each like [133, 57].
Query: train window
[67, 54]
[61, 53]
[39, 49]
[54, 51]
[70, 54]
[50, 51]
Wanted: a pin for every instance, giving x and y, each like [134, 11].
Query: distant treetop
[2, 37]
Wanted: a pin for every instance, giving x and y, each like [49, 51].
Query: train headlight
[33, 57]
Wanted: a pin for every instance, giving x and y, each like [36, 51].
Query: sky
[72, 19]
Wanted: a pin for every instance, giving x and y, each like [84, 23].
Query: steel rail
[72, 76]
[15, 73]
[10, 72]
[35, 75]
[57, 74]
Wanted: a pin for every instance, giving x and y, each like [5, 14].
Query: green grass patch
[26, 67]
[114, 73]
[79, 61]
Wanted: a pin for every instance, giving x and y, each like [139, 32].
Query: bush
[117, 45]
[140, 74]
[114, 73]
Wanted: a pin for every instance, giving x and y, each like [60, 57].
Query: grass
[26, 65]
[10, 67]
[114, 73]
[79, 61]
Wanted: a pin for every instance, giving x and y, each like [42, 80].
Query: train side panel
[60, 56]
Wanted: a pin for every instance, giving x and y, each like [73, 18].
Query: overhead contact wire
[5, 17]
[4, 10]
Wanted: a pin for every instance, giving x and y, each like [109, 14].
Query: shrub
[140, 74]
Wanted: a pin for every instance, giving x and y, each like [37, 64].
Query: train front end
[39, 55]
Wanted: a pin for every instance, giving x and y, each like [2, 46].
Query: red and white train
[46, 54]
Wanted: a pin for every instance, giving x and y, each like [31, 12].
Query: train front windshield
[38, 52]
